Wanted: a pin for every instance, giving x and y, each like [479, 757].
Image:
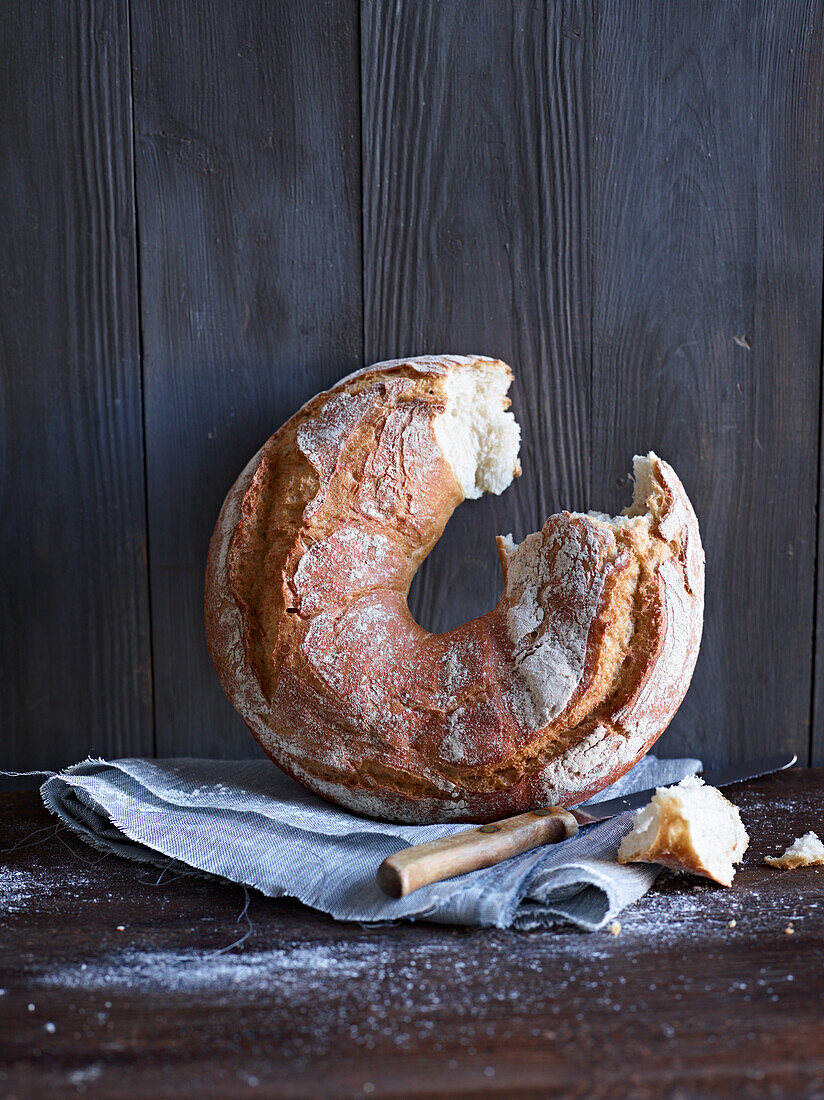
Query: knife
[487, 845]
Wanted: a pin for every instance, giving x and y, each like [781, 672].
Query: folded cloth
[248, 822]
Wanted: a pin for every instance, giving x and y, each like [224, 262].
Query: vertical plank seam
[141, 371]
[590, 7]
[815, 702]
[815, 655]
[362, 135]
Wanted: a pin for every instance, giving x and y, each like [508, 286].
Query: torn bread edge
[689, 827]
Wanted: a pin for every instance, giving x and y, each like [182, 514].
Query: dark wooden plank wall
[623, 199]
[707, 207]
[476, 240]
[247, 128]
[74, 623]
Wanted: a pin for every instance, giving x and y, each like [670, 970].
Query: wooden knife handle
[485, 846]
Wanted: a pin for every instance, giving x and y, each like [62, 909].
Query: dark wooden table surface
[117, 984]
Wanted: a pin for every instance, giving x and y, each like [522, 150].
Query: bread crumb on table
[789, 930]
[614, 929]
[732, 924]
[805, 851]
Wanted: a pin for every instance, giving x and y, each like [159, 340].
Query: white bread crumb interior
[478, 437]
[688, 827]
[805, 851]
[638, 515]
[480, 440]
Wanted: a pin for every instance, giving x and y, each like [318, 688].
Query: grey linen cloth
[248, 822]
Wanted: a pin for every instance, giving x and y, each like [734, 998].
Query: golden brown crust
[672, 846]
[307, 623]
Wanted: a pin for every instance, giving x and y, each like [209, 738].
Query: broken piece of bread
[689, 827]
[805, 851]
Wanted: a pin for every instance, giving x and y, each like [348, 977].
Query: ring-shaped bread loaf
[548, 698]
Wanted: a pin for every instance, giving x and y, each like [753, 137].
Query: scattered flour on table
[379, 990]
[182, 972]
[24, 891]
[320, 973]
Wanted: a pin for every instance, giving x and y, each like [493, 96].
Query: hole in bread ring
[548, 698]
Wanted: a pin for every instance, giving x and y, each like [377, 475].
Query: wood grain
[74, 631]
[248, 172]
[707, 199]
[133, 974]
[411, 868]
[475, 240]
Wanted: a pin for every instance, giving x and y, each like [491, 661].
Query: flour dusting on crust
[554, 588]
[549, 698]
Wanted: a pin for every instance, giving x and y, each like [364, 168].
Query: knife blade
[487, 845]
[589, 812]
